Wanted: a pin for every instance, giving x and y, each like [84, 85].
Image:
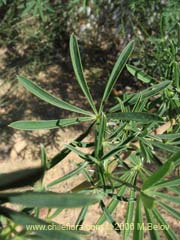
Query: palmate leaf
[50, 199]
[48, 124]
[42, 94]
[118, 67]
[139, 74]
[77, 65]
[20, 178]
[135, 116]
[27, 220]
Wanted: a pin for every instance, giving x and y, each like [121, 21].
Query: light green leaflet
[138, 74]
[151, 91]
[118, 67]
[135, 116]
[39, 92]
[161, 172]
[48, 124]
[50, 199]
[77, 65]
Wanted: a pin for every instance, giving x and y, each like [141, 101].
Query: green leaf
[68, 175]
[100, 135]
[77, 65]
[50, 199]
[129, 216]
[171, 210]
[168, 183]
[169, 136]
[113, 204]
[159, 174]
[150, 220]
[20, 178]
[138, 222]
[148, 202]
[28, 221]
[118, 67]
[42, 94]
[139, 74]
[63, 153]
[165, 146]
[81, 217]
[167, 197]
[149, 92]
[135, 116]
[48, 124]
[166, 227]
[109, 218]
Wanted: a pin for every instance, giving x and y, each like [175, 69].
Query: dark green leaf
[20, 178]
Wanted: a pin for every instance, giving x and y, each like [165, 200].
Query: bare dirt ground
[19, 149]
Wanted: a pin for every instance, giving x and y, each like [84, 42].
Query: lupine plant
[132, 159]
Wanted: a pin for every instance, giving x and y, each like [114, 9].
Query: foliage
[32, 202]
[124, 161]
